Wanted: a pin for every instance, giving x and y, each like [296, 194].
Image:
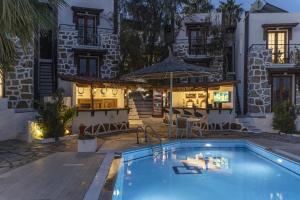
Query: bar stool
[187, 113]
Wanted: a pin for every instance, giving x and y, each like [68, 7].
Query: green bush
[284, 117]
[55, 117]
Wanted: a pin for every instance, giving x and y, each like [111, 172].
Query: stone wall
[68, 39]
[259, 89]
[181, 50]
[111, 60]
[19, 81]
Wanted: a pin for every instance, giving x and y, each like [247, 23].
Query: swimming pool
[207, 170]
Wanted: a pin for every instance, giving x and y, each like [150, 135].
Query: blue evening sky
[289, 5]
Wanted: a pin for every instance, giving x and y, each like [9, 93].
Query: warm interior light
[67, 132]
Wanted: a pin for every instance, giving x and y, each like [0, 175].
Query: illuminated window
[277, 41]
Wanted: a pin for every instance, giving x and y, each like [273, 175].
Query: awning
[198, 85]
[99, 82]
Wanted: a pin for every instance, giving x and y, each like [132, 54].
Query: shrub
[55, 117]
[284, 117]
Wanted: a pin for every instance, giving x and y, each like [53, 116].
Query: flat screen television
[222, 97]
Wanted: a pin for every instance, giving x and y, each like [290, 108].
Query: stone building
[197, 43]
[267, 55]
[85, 42]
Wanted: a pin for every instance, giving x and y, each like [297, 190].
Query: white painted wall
[239, 58]
[65, 14]
[14, 125]
[256, 20]
[99, 118]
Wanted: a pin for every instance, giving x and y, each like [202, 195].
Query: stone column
[19, 80]
[259, 89]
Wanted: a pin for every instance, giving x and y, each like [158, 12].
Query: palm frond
[21, 19]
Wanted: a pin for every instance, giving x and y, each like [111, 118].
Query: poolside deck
[65, 176]
[61, 173]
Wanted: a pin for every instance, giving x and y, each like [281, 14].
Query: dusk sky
[289, 5]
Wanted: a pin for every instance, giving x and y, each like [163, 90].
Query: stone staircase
[133, 116]
[141, 108]
[143, 105]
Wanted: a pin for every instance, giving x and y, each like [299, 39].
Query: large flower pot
[87, 145]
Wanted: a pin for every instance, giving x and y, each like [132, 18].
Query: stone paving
[14, 153]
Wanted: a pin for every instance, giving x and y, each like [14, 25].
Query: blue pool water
[204, 173]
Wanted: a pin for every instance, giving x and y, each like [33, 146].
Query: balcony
[196, 49]
[84, 36]
[282, 54]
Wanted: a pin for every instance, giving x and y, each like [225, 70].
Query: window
[281, 89]
[277, 41]
[87, 29]
[88, 66]
[197, 40]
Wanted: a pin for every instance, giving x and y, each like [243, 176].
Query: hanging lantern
[115, 91]
[80, 90]
[103, 91]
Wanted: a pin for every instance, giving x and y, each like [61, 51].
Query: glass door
[277, 41]
[281, 89]
[88, 66]
[197, 41]
[87, 29]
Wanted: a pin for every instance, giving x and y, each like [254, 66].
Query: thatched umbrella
[170, 68]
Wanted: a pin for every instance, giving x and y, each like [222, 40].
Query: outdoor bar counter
[102, 105]
[214, 102]
[101, 121]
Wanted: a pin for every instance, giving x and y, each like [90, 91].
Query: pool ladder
[149, 137]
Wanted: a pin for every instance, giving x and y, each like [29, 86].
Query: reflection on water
[214, 163]
[276, 196]
[203, 161]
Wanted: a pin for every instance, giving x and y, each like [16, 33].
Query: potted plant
[55, 117]
[86, 142]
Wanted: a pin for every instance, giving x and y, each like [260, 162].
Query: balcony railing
[282, 53]
[87, 35]
[198, 47]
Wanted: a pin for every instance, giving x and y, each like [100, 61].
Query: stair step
[133, 117]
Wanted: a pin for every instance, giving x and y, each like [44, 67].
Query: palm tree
[231, 12]
[19, 20]
[197, 6]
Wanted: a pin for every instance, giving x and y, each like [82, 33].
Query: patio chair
[181, 126]
[198, 127]
[187, 113]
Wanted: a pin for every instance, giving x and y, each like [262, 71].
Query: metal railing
[282, 53]
[198, 47]
[87, 35]
[149, 138]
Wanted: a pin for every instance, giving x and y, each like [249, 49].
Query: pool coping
[278, 158]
